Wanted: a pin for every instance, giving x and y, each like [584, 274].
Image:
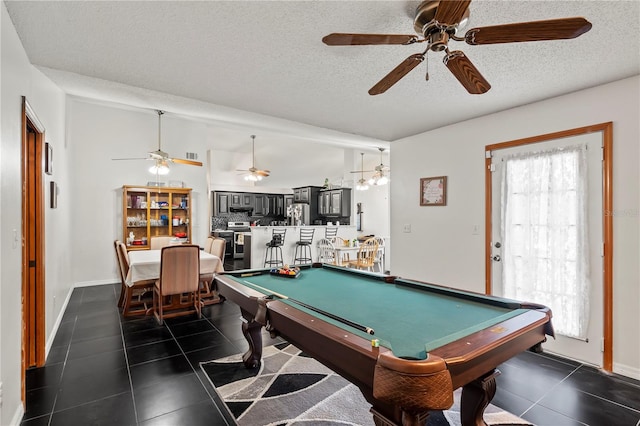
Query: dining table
[144, 265]
[346, 253]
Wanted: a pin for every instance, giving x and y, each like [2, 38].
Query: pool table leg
[251, 329]
[476, 395]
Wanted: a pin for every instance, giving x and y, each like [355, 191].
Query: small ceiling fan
[437, 22]
[361, 185]
[254, 174]
[380, 175]
[160, 157]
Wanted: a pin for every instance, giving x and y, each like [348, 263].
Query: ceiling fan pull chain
[426, 58]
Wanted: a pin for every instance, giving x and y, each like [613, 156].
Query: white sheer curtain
[544, 229]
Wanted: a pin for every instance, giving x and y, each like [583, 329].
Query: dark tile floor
[104, 369]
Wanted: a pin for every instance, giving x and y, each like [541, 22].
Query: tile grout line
[194, 370]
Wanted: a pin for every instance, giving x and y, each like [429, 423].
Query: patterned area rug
[291, 388]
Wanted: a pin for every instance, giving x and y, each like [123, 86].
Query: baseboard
[626, 370]
[56, 325]
[96, 282]
[17, 416]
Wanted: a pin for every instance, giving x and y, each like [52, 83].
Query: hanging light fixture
[362, 183]
[379, 178]
[254, 174]
[159, 168]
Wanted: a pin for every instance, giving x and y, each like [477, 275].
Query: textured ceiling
[263, 64]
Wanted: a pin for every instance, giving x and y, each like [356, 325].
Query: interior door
[590, 349]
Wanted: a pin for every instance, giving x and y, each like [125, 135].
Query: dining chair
[380, 254]
[366, 255]
[131, 296]
[207, 244]
[159, 241]
[326, 251]
[208, 294]
[179, 283]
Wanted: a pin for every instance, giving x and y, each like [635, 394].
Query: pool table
[406, 344]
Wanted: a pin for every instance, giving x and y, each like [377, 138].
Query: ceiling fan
[160, 157]
[254, 174]
[380, 175]
[437, 22]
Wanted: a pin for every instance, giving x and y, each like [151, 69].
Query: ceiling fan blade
[137, 158]
[552, 29]
[451, 12]
[188, 162]
[347, 39]
[466, 73]
[362, 171]
[262, 172]
[396, 74]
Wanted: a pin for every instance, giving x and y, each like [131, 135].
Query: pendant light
[362, 183]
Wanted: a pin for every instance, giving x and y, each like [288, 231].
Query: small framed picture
[53, 194]
[433, 191]
[48, 158]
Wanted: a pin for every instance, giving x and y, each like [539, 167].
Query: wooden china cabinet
[149, 211]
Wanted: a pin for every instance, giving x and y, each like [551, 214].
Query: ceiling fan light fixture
[253, 177]
[159, 168]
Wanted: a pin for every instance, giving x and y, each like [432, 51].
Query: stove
[239, 230]
[239, 226]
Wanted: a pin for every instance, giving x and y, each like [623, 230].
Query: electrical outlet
[406, 227]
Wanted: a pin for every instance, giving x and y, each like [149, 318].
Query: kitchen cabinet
[275, 205]
[260, 205]
[335, 202]
[288, 201]
[222, 203]
[149, 211]
[305, 194]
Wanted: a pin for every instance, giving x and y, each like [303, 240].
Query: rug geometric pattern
[293, 389]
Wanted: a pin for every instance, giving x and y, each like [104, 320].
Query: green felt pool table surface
[409, 317]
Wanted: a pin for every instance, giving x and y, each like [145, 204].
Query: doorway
[595, 348]
[33, 267]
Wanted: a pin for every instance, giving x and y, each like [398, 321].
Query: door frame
[33, 308]
[607, 219]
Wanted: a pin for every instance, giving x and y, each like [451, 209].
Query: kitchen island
[261, 235]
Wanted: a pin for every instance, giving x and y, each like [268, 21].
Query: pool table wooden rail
[400, 391]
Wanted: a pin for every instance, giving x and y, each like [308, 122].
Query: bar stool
[330, 233]
[302, 253]
[273, 254]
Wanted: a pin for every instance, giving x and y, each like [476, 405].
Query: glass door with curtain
[547, 237]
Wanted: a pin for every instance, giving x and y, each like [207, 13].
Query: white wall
[19, 79]
[441, 246]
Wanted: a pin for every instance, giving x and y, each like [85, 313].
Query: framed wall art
[48, 158]
[433, 191]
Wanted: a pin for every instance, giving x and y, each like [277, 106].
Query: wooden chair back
[179, 269]
[218, 247]
[179, 281]
[366, 254]
[207, 244]
[159, 241]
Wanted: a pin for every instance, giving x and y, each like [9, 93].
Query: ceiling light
[159, 168]
[362, 183]
[253, 177]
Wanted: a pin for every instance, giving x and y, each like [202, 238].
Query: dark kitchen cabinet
[306, 194]
[222, 203]
[260, 205]
[335, 202]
